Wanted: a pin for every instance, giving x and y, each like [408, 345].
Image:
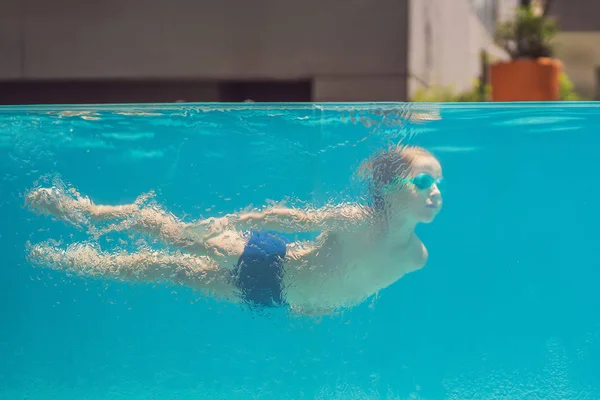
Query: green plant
[529, 34]
[447, 94]
[567, 89]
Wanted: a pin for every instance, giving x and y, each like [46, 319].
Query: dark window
[142, 91]
[265, 91]
[97, 92]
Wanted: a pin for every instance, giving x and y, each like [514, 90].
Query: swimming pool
[505, 308]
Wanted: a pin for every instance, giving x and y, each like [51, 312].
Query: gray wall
[577, 15]
[580, 55]
[577, 44]
[354, 50]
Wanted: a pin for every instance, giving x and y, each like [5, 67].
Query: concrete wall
[11, 39]
[354, 50]
[446, 38]
[580, 55]
[578, 43]
[577, 15]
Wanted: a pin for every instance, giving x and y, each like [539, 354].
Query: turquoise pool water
[507, 306]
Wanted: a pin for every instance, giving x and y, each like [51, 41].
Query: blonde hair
[386, 166]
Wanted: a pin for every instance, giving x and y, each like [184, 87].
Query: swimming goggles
[421, 181]
[425, 181]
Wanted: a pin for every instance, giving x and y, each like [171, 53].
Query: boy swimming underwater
[244, 258]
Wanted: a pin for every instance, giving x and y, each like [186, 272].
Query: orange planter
[526, 80]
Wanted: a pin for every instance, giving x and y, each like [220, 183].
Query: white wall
[445, 40]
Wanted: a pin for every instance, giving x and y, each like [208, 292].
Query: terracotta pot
[526, 80]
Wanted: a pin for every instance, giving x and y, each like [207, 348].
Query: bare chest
[348, 269]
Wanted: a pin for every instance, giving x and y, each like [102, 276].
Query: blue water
[507, 306]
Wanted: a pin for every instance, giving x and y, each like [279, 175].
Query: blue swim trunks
[260, 269]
